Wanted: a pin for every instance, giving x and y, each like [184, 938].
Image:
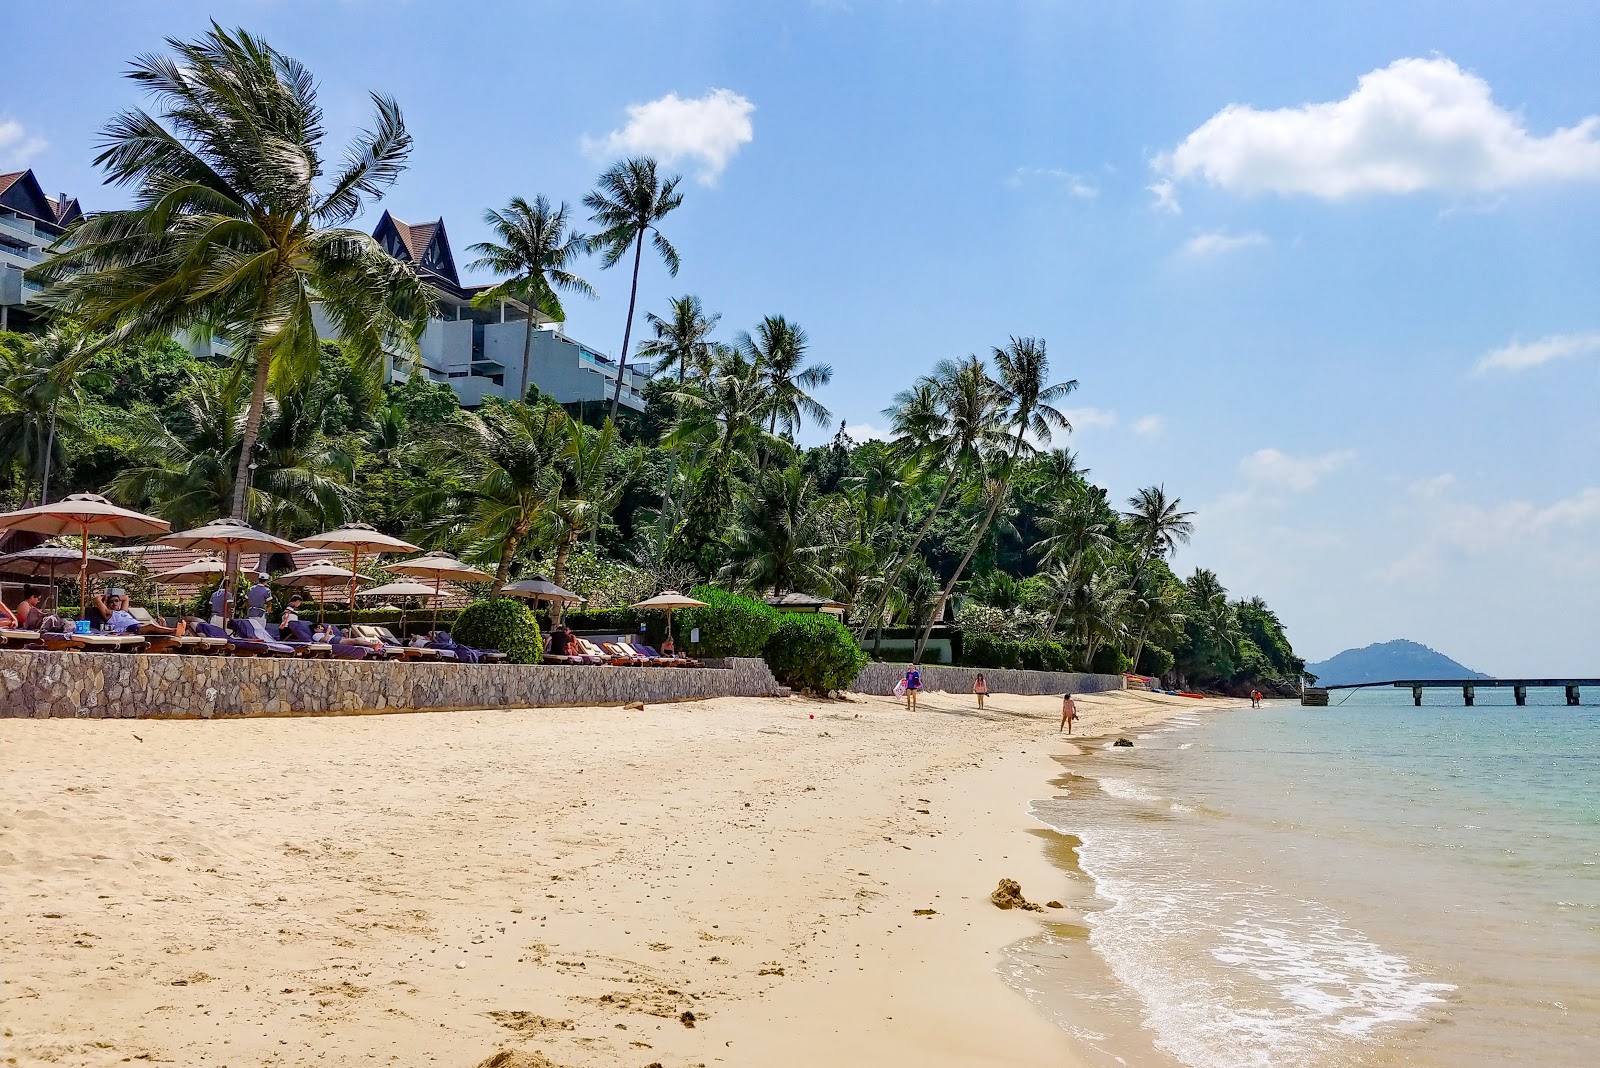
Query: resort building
[30, 221]
[478, 351]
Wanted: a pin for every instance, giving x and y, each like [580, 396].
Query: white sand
[564, 883]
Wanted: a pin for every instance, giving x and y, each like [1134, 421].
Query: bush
[730, 624]
[814, 652]
[1109, 661]
[980, 649]
[501, 624]
[1154, 661]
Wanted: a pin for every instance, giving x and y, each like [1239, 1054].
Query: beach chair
[239, 645]
[71, 642]
[18, 639]
[190, 644]
[590, 649]
[624, 651]
[393, 647]
[669, 661]
[300, 636]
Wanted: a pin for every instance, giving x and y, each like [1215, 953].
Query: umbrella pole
[355, 569]
[83, 577]
[437, 579]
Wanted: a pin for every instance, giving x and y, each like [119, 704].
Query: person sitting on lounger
[291, 611]
[29, 615]
[561, 641]
[119, 620]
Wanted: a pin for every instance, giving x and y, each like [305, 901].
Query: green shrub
[1109, 661]
[501, 624]
[980, 649]
[730, 624]
[1154, 660]
[814, 652]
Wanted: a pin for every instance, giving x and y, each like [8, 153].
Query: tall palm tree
[1156, 525]
[1097, 611]
[772, 542]
[628, 202]
[1027, 400]
[535, 247]
[778, 349]
[593, 479]
[231, 233]
[683, 337]
[41, 391]
[508, 458]
[1155, 610]
[1077, 540]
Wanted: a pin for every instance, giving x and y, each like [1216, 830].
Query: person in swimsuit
[1069, 713]
[981, 688]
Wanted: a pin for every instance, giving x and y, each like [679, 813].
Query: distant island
[1399, 659]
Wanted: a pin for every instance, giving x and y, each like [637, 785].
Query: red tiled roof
[8, 180]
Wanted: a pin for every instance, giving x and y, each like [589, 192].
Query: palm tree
[41, 391]
[1156, 525]
[230, 232]
[682, 338]
[778, 349]
[592, 482]
[508, 458]
[1154, 610]
[1027, 402]
[1097, 611]
[772, 541]
[1077, 540]
[627, 203]
[536, 247]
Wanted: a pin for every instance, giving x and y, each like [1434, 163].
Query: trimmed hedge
[501, 624]
[730, 624]
[1031, 654]
[814, 652]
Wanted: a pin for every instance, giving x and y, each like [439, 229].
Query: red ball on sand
[812, 716]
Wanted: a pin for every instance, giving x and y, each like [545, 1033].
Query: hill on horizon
[1383, 661]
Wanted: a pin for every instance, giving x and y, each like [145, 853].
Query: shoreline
[563, 883]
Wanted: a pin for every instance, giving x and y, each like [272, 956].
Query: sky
[1326, 271]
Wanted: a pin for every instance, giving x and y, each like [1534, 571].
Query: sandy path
[430, 889]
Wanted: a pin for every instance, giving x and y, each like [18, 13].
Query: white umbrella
[84, 514]
[359, 538]
[439, 566]
[320, 576]
[670, 599]
[402, 588]
[229, 536]
[538, 588]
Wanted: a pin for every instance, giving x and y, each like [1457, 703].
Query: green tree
[536, 247]
[628, 202]
[772, 540]
[41, 394]
[684, 339]
[1156, 525]
[230, 232]
[778, 351]
[593, 478]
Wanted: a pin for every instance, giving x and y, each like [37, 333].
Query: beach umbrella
[438, 566]
[84, 514]
[320, 576]
[196, 572]
[670, 599]
[538, 588]
[359, 538]
[403, 588]
[229, 537]
[45, 561]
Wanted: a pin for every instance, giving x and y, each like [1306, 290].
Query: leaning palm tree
[507, 457]
[778, 350]
[535, 247]
[628, 202]
[231, 233]
[1157, 525]
[593, 480]
[1027, 399]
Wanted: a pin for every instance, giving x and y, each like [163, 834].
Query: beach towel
[900, 688]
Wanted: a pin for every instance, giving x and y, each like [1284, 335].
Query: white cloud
[710, 129]
[1416, 124]
[1166, 197]
[17, 146]
[1519, 357]
[1090, 418]
[1272, 469]
[1429, 489]
[1149, 426]
[1217, 243]
[1075, 184]
[1523, 529]
[866, 432]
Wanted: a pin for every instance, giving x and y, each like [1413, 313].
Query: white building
[478, 351]
[30, 222]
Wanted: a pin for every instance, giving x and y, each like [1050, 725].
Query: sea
[1369, 883]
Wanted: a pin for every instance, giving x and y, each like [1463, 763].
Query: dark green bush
[1109, 661]
[814, 652]
[1154, 660]
[1032, 654]
[501, 624]
[730, 624]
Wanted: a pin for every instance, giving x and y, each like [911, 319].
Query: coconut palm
[231, 232]
[41, 392]
[1096, 610]
[507, 457]
[593, 479]
[536, 248]
[628, 202]
[1027, 402]
[1153, 610]
[1156, 525]
[778, 349]
[683, 338]
[772, 541]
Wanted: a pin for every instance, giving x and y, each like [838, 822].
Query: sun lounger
[191, 644]
[18, 639]
[241, 646]
[300, 637]
[668, 661]
[393, 648]
[91, 643]
[590, 649]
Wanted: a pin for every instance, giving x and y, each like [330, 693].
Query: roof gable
[22, 194]
[424, 244]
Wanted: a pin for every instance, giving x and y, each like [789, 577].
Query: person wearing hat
[116, 607]
[259, 596]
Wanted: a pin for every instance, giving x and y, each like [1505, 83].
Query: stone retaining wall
[879, 679]
[110, 685]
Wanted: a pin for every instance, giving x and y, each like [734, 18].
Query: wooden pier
[1318, 695]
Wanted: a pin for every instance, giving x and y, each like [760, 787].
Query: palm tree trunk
[900, 564]
[560, 574]
[527, 349]
[1001, 493]
[502, 574]
[49, 449]
[1138, 645]
[247, 439]
[627, 331]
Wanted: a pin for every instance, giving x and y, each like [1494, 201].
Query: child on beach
[1069, 713]
[913, 684]
[981, 688]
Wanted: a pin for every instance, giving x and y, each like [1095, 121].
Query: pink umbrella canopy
[84, 514]
[359, 538]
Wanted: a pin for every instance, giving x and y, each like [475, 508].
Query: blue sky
[1327, 271]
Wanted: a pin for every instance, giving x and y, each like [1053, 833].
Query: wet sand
[576, 886]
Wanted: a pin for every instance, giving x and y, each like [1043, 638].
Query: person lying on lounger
[115, 607]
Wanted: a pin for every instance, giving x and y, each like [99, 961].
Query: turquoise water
[1364, 884]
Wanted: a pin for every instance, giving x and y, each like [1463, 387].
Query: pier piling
[1572, 694]
[1521, 694]
[1468, 693]
[1416, 696]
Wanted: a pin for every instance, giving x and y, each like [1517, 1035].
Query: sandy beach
[721, 882]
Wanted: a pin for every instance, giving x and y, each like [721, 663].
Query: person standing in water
[981, 688]
[1069, 712]
[913, 681]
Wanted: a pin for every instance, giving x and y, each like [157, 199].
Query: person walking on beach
[1255, 698]
[981, 688]
[1069, 712]
[913, 682]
